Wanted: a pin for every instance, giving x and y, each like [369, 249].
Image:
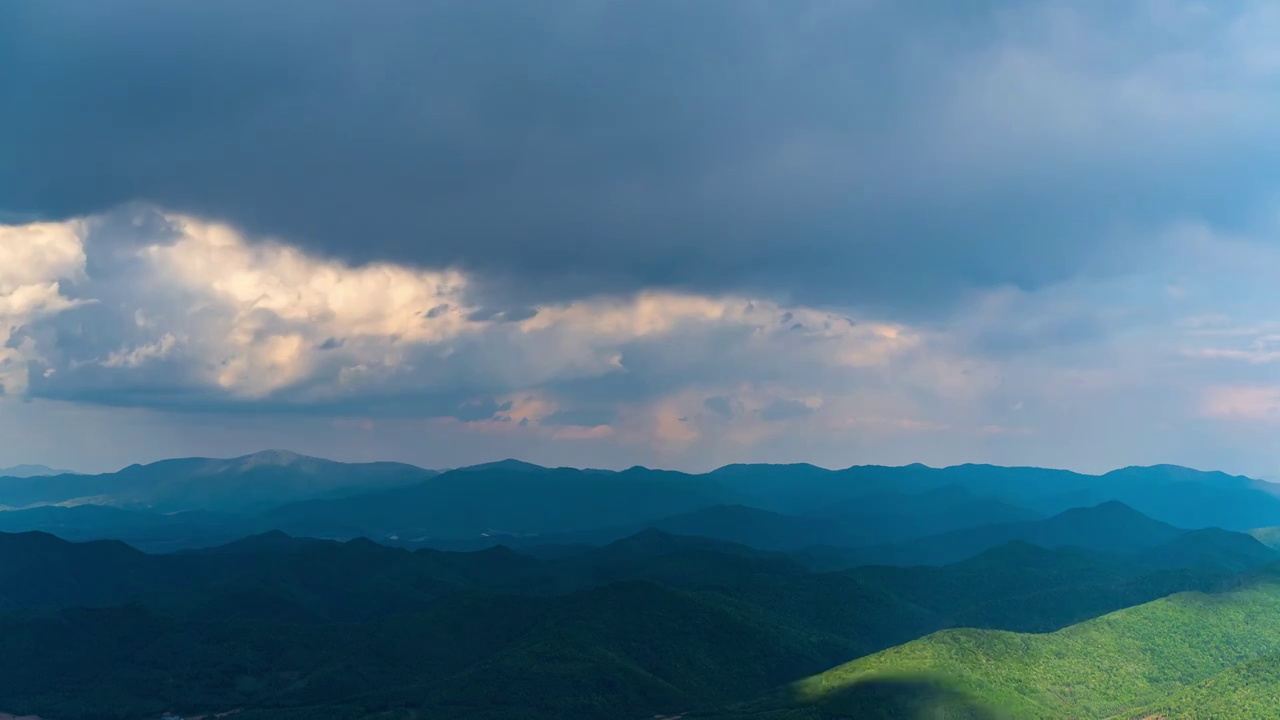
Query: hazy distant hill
[205, 501]
[1211, 548]
[880, 518]
[150, 531]
[257, 481]
[1111, 527]
[29, 471]
[894, 517]
[504, 500]
[1180, 496]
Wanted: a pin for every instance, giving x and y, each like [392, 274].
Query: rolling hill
[1112, 665]
[1248, 691]
[1111, 527]
[1212, 548]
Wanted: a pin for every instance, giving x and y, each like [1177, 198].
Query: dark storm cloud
[808, 149]
[719, 405]
[780, 410]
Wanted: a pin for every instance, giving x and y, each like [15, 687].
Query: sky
[616, 232]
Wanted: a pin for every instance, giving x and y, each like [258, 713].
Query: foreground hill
[1113, 665]
[632, 648]
[1248, 691]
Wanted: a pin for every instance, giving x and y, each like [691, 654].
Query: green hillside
[1101, 668]
[1248, 691]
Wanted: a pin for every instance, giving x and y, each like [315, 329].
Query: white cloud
[142, 354]
[201, 307]
[1112, 368]
[258, 319]
[34, 260]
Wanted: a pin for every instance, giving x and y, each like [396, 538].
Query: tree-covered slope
[1100, 668]
[631, 649]
[1248, 691]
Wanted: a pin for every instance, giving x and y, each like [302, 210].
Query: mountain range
[196, 501]
[282, 586]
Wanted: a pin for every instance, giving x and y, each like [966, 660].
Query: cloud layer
[643, 231]
[141, 310]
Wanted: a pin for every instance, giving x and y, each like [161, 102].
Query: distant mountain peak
[1167, 472]
[647, 538]
[1110, 509]
[507, 464]
[273, 457]
[270, 541]
[1111, 513]
[1016, 552]
[751, 468]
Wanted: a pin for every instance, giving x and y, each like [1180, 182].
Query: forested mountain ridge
[515, 591]
[199, 502]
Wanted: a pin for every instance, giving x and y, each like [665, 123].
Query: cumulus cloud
[219, 319]
[34, 261]
[197, 317]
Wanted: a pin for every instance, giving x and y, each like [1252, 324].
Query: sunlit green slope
[1248, 691]
[1106, 667]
